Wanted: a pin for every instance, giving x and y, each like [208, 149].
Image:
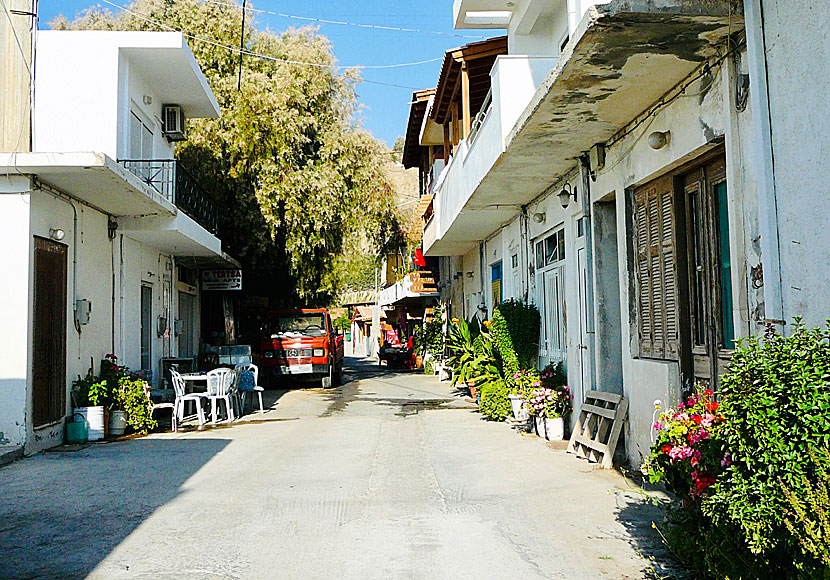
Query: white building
[621, 179]
[103, 229]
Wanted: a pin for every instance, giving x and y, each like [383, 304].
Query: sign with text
[221, 279]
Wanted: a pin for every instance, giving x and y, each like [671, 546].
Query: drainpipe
[524, 254]
[59, 196]
[481, 256]
[763, 166]
[585, 172]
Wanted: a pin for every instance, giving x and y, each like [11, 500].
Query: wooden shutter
[654, 220]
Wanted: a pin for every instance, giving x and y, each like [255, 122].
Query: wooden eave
[478, 57]
[417, 110]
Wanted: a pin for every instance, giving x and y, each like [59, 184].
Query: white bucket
[95, 421]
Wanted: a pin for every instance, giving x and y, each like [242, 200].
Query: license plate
[296, 369]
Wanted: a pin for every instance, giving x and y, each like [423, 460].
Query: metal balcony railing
[177, 185]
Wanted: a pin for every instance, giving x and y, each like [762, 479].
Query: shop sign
[221, 279]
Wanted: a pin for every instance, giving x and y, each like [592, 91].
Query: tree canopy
[295, 176]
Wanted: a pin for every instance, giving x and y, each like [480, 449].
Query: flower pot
[520, 412]
[552, 429]
[473, 390]
[118, 423]
[94, 417]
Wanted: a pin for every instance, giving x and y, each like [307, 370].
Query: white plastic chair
[182, 397]
[240, 368]
[218, 389]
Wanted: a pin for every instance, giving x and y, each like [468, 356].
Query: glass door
[146, 325]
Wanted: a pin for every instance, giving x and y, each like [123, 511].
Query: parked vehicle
[303, 344]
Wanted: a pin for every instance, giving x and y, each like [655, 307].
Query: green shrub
[131, 397]
[776, 408]
[515, 328]
[809, 517]
[494, 402]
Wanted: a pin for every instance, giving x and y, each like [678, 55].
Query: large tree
[294, 175]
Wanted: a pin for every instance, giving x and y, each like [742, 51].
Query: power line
[344, 23]
[146, 18]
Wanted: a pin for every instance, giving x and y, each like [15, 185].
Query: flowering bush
[549, 402]
[688, 455]
[524, 381]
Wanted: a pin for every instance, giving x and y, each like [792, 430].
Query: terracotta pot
[473, 389]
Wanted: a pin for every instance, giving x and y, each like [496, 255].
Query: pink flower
[681, 406]
[657, 426]
[681, 417]
[707, 421]
[701, 435]
[727, 459]
[680, 453]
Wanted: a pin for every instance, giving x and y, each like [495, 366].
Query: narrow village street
[389, 476]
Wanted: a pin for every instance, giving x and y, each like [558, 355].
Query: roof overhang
[417, 112]
[182, 82]
[178, 235]
[479, 58]
[623, 58]
[93, 178]
[473, 14]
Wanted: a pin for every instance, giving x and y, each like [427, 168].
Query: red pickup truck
[302, 344]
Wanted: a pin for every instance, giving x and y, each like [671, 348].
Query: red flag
[419, 258]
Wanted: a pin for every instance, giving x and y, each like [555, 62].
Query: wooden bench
[598, 427]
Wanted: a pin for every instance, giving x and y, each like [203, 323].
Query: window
[141, 138]
[551, 249]
[514, 261]
[654, 222]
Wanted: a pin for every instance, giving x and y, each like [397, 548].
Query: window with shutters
[657, 278]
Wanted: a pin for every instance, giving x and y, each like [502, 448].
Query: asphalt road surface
[392, 475]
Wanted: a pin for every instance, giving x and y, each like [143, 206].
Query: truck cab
[302, 344]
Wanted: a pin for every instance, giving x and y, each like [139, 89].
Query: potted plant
[549, 406]
[131, 396]
[112, 372]
[463, 356]
[90, 395]
[522, 383]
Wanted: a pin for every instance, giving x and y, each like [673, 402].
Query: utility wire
[344, 23]
[146, 18]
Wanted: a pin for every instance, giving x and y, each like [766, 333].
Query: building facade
[104, 229]
[624, 167]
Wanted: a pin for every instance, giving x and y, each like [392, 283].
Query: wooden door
[49, 333]
[709, 271]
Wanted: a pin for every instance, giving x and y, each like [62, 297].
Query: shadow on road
[63, 513]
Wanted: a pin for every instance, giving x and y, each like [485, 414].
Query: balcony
[176, 184]
[461, 215]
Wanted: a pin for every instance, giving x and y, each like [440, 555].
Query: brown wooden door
[709, 271]
[49, 329]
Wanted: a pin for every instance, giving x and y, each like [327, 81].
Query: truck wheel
[326, 382]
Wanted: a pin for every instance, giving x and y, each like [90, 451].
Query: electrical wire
[235, 50]
[344, 23]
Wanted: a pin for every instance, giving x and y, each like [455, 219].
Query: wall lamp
[566, 194]
[57, 234]
[539, 218]
[659, 139]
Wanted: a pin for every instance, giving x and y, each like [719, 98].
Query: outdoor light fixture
[659, 139]
[148, 100]
[566, 194]
[57, 234]
[539, 217]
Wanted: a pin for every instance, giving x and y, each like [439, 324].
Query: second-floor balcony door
[141, 143]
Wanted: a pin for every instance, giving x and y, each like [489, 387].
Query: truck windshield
[312, 324]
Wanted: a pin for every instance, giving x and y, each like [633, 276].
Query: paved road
[389, 476]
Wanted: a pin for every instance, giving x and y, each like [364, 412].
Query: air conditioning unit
[173, 123]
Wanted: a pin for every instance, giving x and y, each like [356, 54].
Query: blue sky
[386, 108]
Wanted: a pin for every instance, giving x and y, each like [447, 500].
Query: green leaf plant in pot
[90, 395]
[131, 395]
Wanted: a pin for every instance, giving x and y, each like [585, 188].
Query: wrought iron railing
[177, 185]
